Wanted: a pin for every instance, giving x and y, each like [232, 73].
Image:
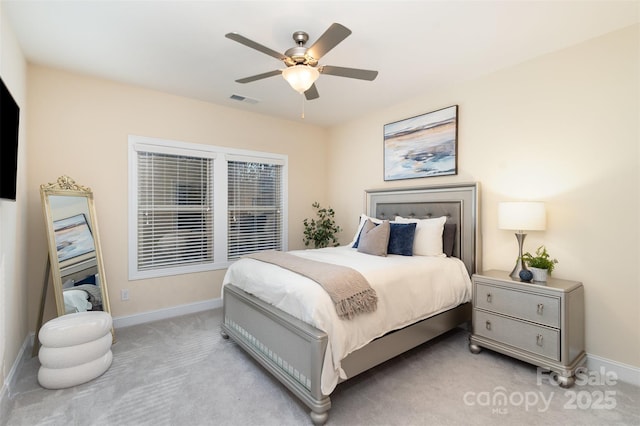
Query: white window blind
[255, 204]
[174, 210]
[195, 208]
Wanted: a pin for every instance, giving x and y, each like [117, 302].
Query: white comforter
[409, 288]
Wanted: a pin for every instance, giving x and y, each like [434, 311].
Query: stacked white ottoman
[76, 348]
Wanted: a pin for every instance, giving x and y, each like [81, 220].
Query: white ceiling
[417, 46]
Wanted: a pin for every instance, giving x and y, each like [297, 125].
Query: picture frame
[422, 146]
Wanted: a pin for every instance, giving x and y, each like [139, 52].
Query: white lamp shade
[522, 216]
[300, 77]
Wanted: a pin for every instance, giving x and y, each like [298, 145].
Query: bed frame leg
[319, 418]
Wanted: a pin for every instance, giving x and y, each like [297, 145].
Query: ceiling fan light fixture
[300, 77]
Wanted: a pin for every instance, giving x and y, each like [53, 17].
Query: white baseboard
[625, 372]
[12, 377]
[160, 314]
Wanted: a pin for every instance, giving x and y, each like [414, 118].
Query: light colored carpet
[181, 372]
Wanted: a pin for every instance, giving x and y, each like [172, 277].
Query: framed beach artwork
[422, 146]
[73, 237]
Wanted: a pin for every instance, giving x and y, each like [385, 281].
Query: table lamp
[521, 216]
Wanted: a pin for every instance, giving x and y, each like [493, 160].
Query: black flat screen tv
[9, 123]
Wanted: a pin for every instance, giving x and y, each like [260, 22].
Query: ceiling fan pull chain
[302, 96]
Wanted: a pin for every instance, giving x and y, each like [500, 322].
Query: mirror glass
[77, 271]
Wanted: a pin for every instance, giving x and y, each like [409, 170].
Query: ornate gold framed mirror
[75, 256]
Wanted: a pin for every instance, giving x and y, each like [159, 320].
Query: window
[254, 210]
[198, 207]
[175, 210]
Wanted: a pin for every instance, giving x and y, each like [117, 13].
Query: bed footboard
[291, 350]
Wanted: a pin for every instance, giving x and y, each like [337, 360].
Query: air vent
[241, 98]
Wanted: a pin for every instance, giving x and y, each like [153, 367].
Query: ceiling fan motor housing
[298, 55]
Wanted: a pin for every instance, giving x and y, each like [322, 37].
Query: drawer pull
[540, 308]
[488, 297]
[539, 340]
[488, 325]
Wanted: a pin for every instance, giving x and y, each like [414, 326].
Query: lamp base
[520, 265]
[515, 273]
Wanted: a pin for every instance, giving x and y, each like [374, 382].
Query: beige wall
[13, 231]
[80, 127]
[564, 129]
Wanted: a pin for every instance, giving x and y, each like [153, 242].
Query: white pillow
[363, 220]
[428, 238]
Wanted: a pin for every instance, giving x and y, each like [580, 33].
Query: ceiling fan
[302, 63]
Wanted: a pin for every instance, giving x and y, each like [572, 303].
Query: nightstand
[539, 323]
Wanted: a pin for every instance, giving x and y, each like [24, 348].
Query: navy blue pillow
[355, 245]
[401, 239]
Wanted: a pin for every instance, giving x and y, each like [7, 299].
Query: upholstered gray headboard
[460, 203]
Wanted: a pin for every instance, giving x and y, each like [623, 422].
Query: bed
[310, 356]
[81, 286]
[82, 298]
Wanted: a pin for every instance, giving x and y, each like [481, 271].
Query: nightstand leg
[566, 382]
[475, 349]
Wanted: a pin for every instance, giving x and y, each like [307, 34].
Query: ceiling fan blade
[327, 41]
[259, 76]
[312, 93]
[252, 44]
[349, 72]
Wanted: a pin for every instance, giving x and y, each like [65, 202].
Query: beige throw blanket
[348, 289]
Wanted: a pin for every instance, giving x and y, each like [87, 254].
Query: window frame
[221, 156]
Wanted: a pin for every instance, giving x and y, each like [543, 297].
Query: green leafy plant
[321, 231]
[541, 260]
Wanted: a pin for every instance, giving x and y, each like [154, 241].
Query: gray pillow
[449, 238]
[374, 239]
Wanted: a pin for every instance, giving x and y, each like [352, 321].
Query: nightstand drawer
[529, 337]
[538, 308]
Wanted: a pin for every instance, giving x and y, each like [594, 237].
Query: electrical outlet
[124, 294]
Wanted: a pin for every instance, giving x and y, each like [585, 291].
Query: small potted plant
[322, 231]
[541, 264]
